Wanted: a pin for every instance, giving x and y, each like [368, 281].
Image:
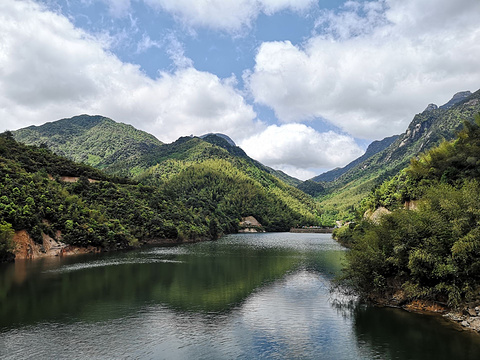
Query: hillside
[372, 149]
[201, 199]
[430, 249]
[426, 130]
[122, 150]
[94, 140]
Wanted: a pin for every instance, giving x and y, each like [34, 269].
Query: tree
[7, 245]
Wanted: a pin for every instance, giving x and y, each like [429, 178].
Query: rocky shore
[467, 316]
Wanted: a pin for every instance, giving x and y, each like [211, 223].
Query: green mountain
[429, 250]
[121, 149]
[192, 189]
[206, 193]
[426, 130]
[372, 149]
[93, 140]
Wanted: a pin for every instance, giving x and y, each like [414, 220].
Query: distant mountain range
[346, 187]
[374, 148]
[121, 150]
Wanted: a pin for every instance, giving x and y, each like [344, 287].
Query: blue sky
[301, 85]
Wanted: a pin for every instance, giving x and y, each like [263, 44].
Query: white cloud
[298, 149]
[118, 8]
[146, 43]
[372, 65]
[50, 70]
[228, 15]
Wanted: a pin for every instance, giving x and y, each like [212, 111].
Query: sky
[301, 85]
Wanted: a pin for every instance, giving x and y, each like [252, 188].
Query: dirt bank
[26, 248]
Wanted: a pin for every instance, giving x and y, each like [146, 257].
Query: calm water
[245, 296]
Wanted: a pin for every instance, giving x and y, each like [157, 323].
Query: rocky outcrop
[27, 249]
[74, 179]
[411, 205]
[374, 216]
[250, 224]
[468, 318]
[431, 107]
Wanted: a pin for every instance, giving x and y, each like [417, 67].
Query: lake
[245, 296]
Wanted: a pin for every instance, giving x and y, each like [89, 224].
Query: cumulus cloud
[299, 149]
[227, 15]
[49, 69]
[372, 65]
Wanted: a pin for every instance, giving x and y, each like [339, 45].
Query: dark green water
[245, 296]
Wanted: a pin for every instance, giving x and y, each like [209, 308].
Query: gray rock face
[431, 107]
[460, 96]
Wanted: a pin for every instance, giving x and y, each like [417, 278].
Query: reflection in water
[245, 296]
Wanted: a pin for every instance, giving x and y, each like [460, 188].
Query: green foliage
[196, 190]
[6, 242]
[432, 252]
[94, 140]
[426, 131]
[312, 188]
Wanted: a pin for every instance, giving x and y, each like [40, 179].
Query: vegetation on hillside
[432, 252]
[427, 130]
[203, 196]
[94, 140]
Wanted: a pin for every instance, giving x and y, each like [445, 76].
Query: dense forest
[198, 199]
[427, 243]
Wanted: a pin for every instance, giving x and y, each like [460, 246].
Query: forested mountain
[120, 149]
[428, 246]
[191, 190]
[93, 140]
[372, 149]
[426, 130]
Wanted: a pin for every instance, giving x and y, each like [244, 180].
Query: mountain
[123, 150]
[223, 136]
[426, 130]
[212, 176]
[93, 140]
[431, 251]
[374, 148]
[205, 195]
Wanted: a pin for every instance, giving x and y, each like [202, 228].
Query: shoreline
[312, 230]
[27, 249]
[465, 318]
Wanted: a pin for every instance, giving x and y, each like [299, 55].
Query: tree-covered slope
[121, 149]
[374, 148]
[433, 251]
[196, 190]
[93, 140]
[426, 130]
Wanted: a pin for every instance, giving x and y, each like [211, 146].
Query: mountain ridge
[426, 130]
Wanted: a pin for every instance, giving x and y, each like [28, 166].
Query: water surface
[245, 296]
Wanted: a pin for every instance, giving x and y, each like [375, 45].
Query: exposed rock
[411, 205]
[423, 305]
[26, 248]
[475, 324]
[431, 107]
[376, 215]
[250, 224]
[72, 179]
[458, 97]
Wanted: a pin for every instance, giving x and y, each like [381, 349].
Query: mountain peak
[431, 107]
[223, 136]
[458, 97]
